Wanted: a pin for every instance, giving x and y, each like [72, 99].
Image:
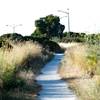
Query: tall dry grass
[18, 68]
[73, 62]
[11, 61]
[87, 88]
[81, 66]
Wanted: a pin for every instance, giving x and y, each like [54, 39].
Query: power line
[13, 27]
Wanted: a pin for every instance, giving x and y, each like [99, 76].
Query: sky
[84, 14]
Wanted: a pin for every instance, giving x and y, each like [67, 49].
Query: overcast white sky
[84, 14]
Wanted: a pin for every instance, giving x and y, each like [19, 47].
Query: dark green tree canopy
[49, 26]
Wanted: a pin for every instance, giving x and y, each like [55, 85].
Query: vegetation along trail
[53, 88]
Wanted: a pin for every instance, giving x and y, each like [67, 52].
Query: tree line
[49, 27]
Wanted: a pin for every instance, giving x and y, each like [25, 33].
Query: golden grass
[20, 65]
[86, 89]
[73, 62]
[78, 64]
[11, 60]
[21, 51]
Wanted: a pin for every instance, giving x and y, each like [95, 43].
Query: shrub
[11, 61]
[81, 65]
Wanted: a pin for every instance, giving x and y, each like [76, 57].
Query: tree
[49, 26]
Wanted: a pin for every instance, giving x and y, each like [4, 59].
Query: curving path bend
[53, 87]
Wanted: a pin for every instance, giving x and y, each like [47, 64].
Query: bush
[81, 67]
[11, 62]
[13, 37]
[45, 43]
[12, 82]
[6, 41]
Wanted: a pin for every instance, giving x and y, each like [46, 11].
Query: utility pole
[68, 17]
[14, 27]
